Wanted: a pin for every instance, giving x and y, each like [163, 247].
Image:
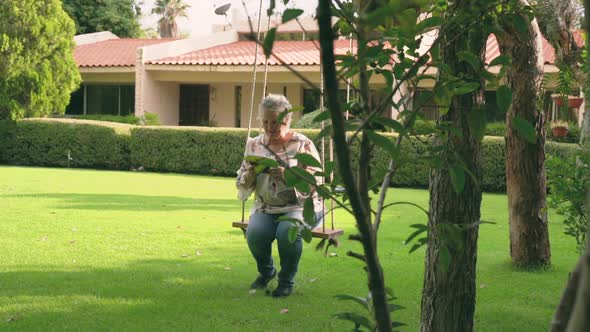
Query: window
[110, 99]
[311, 99]
[76, 105]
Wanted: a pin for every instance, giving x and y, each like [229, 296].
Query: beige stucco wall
[163, 99]
[222, 105]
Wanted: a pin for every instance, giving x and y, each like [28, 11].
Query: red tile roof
[493, 50]
[242, 53]
[112, 52]
[122, 52]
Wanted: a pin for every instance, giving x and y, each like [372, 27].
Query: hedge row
[215, 151]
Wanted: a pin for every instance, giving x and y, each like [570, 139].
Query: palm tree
[170, 10]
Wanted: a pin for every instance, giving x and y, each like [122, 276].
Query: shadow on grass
[194, 294]
[117, 202]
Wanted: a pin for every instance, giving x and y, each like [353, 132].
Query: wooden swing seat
[317, 233]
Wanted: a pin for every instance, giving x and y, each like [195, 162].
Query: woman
[273, 197]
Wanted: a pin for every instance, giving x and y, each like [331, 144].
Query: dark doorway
[194, 105]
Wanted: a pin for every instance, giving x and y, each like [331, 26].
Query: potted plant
[559, 128]
[572, 101]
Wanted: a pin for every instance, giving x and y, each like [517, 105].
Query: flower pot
[572, 102]
[559, 131]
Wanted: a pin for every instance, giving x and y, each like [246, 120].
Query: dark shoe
[261, 282]
[282, 291]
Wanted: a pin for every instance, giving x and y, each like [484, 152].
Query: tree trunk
[357, 191]
[525, 161]
[585, 130]
[580, 319]
[448, 298]
[568, 298]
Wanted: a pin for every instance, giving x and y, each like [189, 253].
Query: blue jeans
[262, 230]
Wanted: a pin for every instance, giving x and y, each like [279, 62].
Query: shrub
[47, 143]
[210, 151]
[568, 179]
[199, 150]
[306, 121]
[148, 119]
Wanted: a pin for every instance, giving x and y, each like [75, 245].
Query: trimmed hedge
[200, 150]
[41, 142]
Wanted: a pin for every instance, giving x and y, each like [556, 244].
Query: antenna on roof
[222, 10]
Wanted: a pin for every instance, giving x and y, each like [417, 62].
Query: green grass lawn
[87, 250]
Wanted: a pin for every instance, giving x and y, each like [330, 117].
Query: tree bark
[368, 238]
[448, 298]
[568, 298]
[525, 161]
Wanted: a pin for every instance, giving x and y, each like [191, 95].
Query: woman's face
[271, 126]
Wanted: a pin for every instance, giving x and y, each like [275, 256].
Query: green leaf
[271, 8]
[360, 300]
[269, 41]
[384, 143]
[323, 116]
[394, 307]
[444, 257]
[470, 58]
[465, 87]
[414, 235]
[390, 123]
[291, 13]
[309, 212]
[257, 160]
[476, 119]
[500, 60]
[283, 114]
[388, 75]
[457, 174]
[306, 234]
[429, 23]
[307, 160]
[503, 98]
[292, 234]
[520, 23]
[525, 129]
[355, 318]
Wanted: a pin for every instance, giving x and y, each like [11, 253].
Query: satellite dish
[222, 10]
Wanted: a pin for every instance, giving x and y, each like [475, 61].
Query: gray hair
[275, 103]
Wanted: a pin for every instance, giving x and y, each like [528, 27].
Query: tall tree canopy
[118, 16]
[170, 11]
[37, 66]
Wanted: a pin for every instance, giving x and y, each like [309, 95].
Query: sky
[201, 14]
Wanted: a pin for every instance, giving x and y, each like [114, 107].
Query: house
[208, 81]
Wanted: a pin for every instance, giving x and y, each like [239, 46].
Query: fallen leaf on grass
[73, 241]
[284, 311]
[483, 286]
[178, 227]
[43, 238]
[199, 253]
[185, 255]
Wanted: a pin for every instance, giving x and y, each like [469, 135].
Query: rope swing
[322, 233]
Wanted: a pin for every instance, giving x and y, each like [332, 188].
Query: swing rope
[254, 89]
[324, 235]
